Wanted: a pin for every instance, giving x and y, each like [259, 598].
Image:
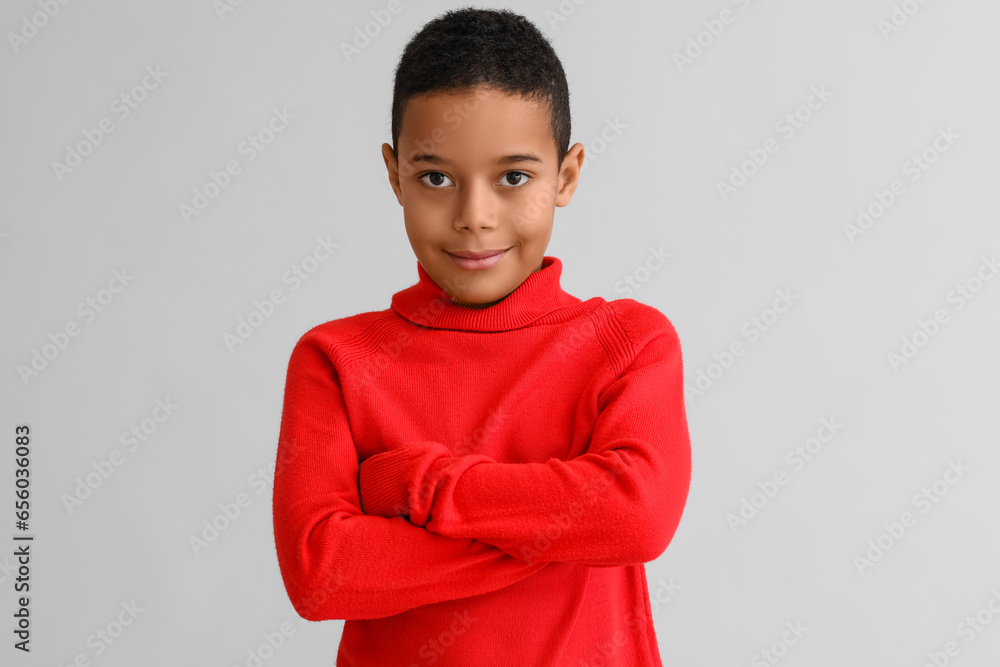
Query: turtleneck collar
[426, 304]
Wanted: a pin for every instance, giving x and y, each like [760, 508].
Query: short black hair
[465, 48]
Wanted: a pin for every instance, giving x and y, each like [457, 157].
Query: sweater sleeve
[336, 562]
[619, 503]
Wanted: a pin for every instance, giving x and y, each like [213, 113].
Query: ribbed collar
[426, 304]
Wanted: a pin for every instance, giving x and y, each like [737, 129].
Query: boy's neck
[476, 306]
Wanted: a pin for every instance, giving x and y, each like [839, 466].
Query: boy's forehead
[488, 125]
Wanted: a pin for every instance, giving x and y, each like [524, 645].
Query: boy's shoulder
[626, 326]
[638, 321]
[344, 330]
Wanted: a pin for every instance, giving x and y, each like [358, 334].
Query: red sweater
[482, 486]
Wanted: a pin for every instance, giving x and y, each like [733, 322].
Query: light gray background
[682, 130]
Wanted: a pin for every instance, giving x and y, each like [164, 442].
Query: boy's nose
[477, 209]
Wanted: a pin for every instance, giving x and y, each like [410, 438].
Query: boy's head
[480, 157]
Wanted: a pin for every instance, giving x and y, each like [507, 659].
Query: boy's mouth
[477, 259]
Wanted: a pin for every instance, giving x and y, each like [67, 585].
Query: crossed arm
[335, 561]
[475, 525]
[617, 504]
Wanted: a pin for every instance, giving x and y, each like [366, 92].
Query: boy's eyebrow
[506, 159]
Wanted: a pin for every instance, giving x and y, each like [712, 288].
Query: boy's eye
[436, 176]
[519, 178]
[523, 178]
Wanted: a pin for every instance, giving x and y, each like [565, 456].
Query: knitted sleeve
[336, 562]
[619, 503]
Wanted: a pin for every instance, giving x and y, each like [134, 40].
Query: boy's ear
[392, 167]
[569, 174]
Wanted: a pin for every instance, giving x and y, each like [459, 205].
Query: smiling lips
[482, 259]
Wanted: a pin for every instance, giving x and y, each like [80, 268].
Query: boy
[476, 475]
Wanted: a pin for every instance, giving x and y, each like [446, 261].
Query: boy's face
[479, 173]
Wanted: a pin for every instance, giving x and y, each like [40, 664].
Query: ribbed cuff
[387, 479]
[437, 491]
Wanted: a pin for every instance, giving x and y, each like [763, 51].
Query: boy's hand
[389, 482]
